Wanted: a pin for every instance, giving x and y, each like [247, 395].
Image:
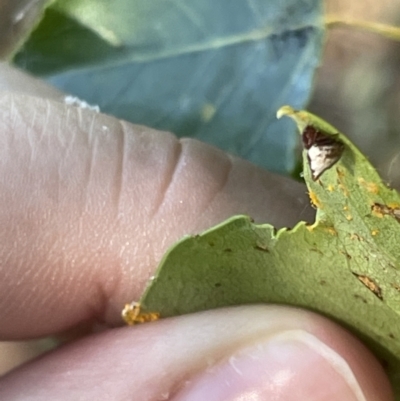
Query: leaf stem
[385, 30]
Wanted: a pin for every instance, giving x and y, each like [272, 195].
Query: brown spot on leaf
[355, 236]
[381, 210]
[261, 247]
[370, 284]
[356, 296]
[348, 256]
[396, 214]
[340, 173]
[376, 210]
[316, 250]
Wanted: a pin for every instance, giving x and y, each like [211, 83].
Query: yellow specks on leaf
[345, 208]
[132, 315]
[344, 190]
[330, 188]
[331, 231]
[369, 186]
[207, 112]
[374, 232]
[342, 187]
[373, 188]
[314, 200]
[349, 217]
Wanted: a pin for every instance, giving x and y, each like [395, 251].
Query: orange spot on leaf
[132, 314]
[331, 231]
[314, 200]
[371, 187]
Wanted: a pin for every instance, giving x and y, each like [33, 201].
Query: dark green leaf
[216, 71]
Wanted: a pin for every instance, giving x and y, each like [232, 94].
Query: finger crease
[169, 179]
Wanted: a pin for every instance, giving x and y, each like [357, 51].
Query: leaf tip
[300, 117]
[285, 111]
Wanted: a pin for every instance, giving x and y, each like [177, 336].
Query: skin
[89, 206]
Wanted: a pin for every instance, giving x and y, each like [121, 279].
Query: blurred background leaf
[216, 71]
[357, 87]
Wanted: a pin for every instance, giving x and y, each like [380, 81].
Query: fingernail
[293, 365]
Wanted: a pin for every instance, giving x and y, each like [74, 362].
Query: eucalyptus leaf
[345, 265]
[212, 70]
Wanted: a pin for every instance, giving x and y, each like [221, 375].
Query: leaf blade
[220, 84]
[338, 266]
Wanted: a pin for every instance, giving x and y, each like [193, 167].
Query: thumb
[251, 353]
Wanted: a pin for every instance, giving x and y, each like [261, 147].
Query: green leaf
[345, 265]
[214, 70]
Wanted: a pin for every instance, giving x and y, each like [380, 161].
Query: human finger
[242, 353]
[91, 203]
